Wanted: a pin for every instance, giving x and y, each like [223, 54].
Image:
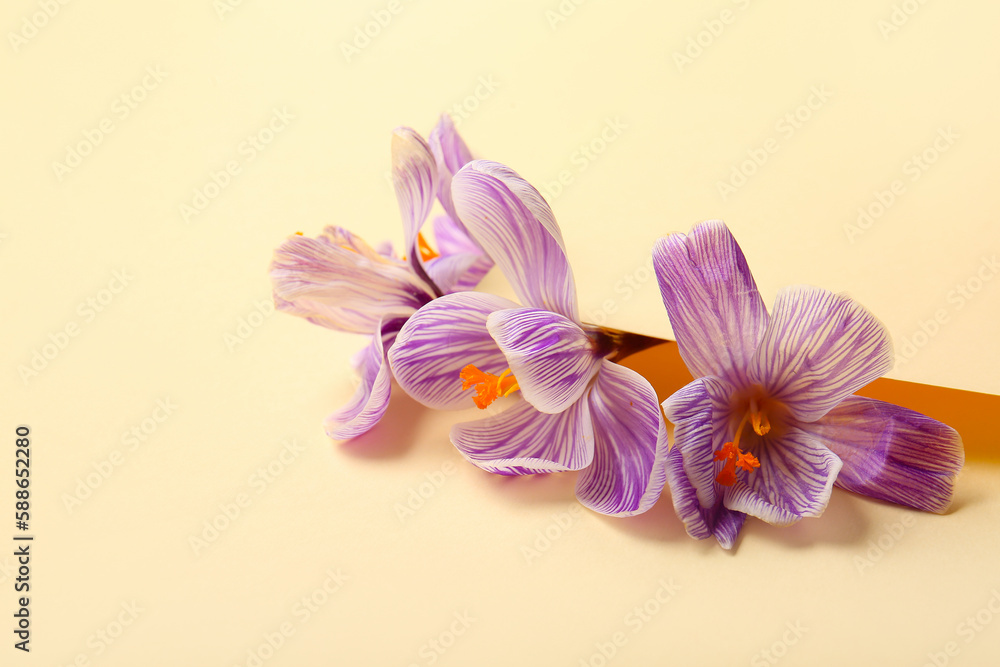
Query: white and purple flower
[771, 424]
[577, 410]
[338, 281]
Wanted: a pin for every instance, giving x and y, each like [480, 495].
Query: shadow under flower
[969, 494]
[394, 435]
[844, 522]
[556, 487]
[659, 523]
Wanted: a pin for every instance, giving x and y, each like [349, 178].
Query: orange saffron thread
[489, 387]
[733, 455]
[427, 253]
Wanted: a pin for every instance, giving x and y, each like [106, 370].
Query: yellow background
[530, 84]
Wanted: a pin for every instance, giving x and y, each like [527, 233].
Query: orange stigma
[736, 457]
[489, 387]
[427, 253]
[758, 419]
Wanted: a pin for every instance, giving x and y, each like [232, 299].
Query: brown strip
[968, 412]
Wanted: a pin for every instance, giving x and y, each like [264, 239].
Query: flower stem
[418, 268]
[615, 344]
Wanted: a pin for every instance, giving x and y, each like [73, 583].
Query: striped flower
[771, 424]
[340, 282]
[565, 405]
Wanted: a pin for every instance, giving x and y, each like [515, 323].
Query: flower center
[489, 387]
[427, 253]
[731, 453]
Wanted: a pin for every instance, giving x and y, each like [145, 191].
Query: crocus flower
[771, 423]
[338, 281]
[568, 407]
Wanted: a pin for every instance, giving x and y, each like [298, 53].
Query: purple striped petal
[414, 177]
[712, 300]
[819, 348]
[691, 467]
[551, 357]
[371, 398]
[523, 441]
[458, 273]
[452, 238]
[892, 453]
[385, 249]
[462, 264]
[701, 400]
[439, 341]
[338, 281]
[514, 225]
[630, 445]
[451, 154]
[794, 480]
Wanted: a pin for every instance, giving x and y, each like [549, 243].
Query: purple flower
[577, 410]
[771, 423]
[338, 281]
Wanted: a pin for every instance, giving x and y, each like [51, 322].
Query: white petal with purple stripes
[794, 480]
[441, 339]
[414, 177]
[691, 467]
[716, 312]
[451, 154]
[336, 280]
[371, 398]
[819, 348]
[892, 453]
[462, 263]
[514, 225]
[458, 273]
[452, 238]
[691, 409]
[630, 445]
[523, 441]
[551, 357]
